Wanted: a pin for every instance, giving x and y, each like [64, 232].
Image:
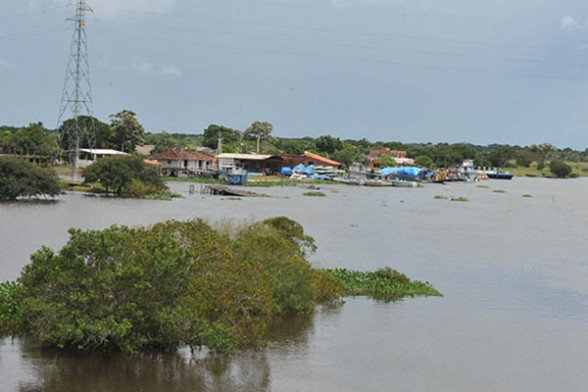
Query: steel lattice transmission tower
[76, 98]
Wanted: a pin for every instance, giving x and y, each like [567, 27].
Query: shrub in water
[19, 178]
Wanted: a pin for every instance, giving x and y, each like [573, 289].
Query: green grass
[386, 284]
[499, 191]
[483, 186]
[460, 199]
[320, 194]
[579, 169]
[527, 195]
[440, 197]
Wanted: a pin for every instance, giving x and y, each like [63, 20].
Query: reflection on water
[184, 370]
[513, 271]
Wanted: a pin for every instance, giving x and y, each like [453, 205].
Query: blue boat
[499, 176]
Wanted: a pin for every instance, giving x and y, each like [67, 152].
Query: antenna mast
[77, 90]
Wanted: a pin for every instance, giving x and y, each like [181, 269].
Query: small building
[253, 163]
[183, 163]
[91, 155]
[387, 151]
[275, 162]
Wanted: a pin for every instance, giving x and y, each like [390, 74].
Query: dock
[228, 191]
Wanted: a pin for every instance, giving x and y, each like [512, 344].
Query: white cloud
[145, 67]
[171, 70]
[110, 9]
[569, 24]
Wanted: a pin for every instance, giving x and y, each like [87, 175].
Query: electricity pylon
[76, 98]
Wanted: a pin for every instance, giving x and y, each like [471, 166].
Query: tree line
[125, 132]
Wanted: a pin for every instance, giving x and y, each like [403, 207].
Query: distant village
[236, 168]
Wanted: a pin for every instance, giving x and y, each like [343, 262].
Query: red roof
[180, 155]
[326, 161]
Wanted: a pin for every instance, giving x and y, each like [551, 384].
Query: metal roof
[245, 157]
[102, 151]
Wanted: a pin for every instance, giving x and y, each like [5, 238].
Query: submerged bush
[20, 178]
[125, 175]
[10, 309]
[178, 283]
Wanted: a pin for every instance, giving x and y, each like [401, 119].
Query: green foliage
[460, 199]
[348, 155]
[32, 139]
[128, 289]
[526, 195]
[10, 308]
[440, 197]
[125, 175]
[499, 191]
[540, 165]
[386, 284]
[230, 137]
[293, 231]
[101, 131]
[261, 129]
[525, 158]
[423, 161]
[20, 178]
[328, 287]
[127, 132]
[328, 144]
[560, 169]
[320, 194]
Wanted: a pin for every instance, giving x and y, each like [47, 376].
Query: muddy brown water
[514, 272]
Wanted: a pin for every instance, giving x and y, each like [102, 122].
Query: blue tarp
[299, 169]
[320, 177]
[402, 172]
[309, 170]
[286, 171]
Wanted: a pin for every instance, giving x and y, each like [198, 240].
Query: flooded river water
[513, 271]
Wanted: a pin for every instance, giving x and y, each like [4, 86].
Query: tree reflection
[55, 370]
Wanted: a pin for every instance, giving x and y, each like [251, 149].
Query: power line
[369, 47]
[357, 32]
[33, 33]
[348, 58]
[27, 14]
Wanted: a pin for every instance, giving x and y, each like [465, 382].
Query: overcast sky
[506, 71]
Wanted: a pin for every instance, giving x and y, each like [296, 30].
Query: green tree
[525, 158]
[125, 175]
[328, 144]
[19, 178]
[127, 132]
[348, 155]
[560, 169]
[423, 161]
[100, 132]
[258, 129]
[230, 137]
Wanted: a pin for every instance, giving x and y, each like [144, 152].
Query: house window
[185, 163]
[169, 162]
